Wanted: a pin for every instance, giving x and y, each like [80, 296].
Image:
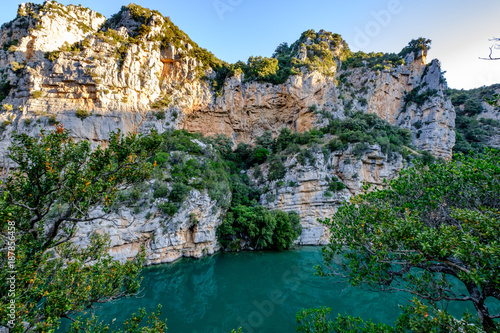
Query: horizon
[221, 26]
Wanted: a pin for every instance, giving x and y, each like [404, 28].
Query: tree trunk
[487, 322]
[482, 310]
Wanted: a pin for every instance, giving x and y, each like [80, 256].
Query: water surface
[259, 291]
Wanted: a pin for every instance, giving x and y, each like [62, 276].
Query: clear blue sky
[236, 29]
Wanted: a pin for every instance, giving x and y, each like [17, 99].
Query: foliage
[318, 321]
[418, 47]
[322, 49]
[7, 45]
[57, 183]
[135, 324]
[434, 224]
[189, 166]
[159, 115]
[418, 97]
[372, 60]
[258, 228]
[52, 120]
[370, 129]
[473, 133]
[37, 94]
[162, 103]
[416, 317]
[82, 114]
[7, 107]
[5, 88]
[335, 185]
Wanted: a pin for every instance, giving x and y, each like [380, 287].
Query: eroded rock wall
[305, 188]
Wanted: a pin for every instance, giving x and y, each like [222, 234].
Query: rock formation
[136, 71]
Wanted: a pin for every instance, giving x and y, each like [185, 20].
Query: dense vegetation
[473, 132]
[188, 161]
[57, 183]
[368, 128]
[433, 226]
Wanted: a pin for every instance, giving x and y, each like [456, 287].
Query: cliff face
[189, 233]
[306, 189]
[114, 71]
[136, 71]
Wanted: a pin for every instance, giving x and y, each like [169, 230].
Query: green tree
[259, 228]
[419, 47]
[261, 68]
[433, 226]
[56, 185]
[416, 317]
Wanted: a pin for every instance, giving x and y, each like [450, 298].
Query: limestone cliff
[63, 59]
[306, 189]
[136, 71]
[189, 233]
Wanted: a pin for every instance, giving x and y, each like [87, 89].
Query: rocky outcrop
[189, 233]
[137, 71]
[492, 112]
[117, 69]
[305, 188]
[410, 96]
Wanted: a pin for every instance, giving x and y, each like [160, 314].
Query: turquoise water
[259, 291]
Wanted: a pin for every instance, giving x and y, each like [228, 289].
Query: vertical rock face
[137, 71]
[305, 189]
[189, 233]
[117, 68]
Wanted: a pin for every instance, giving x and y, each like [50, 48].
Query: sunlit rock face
[71, 65]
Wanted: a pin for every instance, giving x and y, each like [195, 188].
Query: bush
[335, 185]
[258, 228]
[160, 115]
[161, 192]
[52, 120]
[168, 208]
[162, 103]
[277, 170]
[260, 155]
[37, 94]
[7, 107]
[360, 149]
[179, 192]
[82, 114]
[336, 145]
[417, 46]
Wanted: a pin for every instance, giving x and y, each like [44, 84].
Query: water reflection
[259, 291]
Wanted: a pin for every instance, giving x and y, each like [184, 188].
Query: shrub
[259, 227]
[159, 115]
[4, 125]
[7, 107]
[37, 94]
[260, 155]
[82, 114]
[168, 208]
[16, 66]
[52, 120]
[161, 192]
[277, 170]
[335, 145]
[417, 46]
[162, 103]
[179, 192]
[360, 149]
[335, 185]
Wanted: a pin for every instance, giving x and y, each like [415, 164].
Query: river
[259, 291]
